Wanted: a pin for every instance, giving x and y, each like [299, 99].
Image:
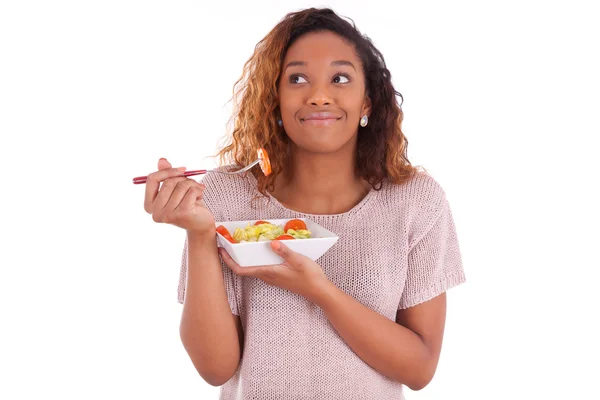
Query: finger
[258, 272]
[181, 188]
[165, 192]
[284, 252]
[164, 164]
[153, 183]
[190, 198]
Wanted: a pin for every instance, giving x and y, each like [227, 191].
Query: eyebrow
[333, 64]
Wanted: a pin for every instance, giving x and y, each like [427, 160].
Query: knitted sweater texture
[397, 248]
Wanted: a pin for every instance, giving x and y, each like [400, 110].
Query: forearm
[388, 347]
[208, 329]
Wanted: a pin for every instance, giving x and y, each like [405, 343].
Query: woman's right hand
[178, 201]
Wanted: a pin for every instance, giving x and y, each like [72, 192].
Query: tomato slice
[229, 238]
[261, 222]
[285, 237]
[295, 224]
[223, 231]
[265, 164]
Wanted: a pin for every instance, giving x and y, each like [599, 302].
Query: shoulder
[224, 194]
[420, 202]
[422, 193]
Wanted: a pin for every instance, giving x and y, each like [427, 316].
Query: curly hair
[382, 146]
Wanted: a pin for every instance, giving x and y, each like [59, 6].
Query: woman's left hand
[298, 273]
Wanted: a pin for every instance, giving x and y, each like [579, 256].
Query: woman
[369, 316]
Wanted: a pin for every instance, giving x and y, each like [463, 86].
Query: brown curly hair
[382, 146]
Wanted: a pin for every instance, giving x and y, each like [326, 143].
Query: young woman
[367, 317]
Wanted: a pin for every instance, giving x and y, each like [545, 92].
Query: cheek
[287, 107]
[352, 103]
[286, 97]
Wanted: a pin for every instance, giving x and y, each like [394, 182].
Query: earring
[364, 121]
[279, 122]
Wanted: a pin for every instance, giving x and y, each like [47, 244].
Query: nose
[320, 96]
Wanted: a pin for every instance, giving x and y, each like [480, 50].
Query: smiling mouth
[321, 118]
[320, 121]
[318, 118]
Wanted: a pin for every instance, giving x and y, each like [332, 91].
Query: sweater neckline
[354, 210]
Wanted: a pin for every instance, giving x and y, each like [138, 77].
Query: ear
[366, 108]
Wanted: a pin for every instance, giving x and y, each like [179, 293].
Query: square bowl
[253, 254]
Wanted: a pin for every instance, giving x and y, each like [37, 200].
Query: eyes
[339, 78]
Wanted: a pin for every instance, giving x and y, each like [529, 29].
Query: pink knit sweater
[397, 248]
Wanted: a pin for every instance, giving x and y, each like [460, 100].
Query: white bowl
[253, 254]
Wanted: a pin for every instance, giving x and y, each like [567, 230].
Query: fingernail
[276, 244]
[162, 158]
[181, 169]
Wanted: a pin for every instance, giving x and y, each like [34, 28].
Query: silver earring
[364, 121]
[279, 122]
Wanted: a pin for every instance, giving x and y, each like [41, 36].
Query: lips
[320, 119]
[320, 116]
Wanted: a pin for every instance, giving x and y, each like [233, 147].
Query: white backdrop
[501, 106]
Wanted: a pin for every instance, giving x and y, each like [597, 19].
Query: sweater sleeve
[228, 278]
[213, 200]
[434, 261]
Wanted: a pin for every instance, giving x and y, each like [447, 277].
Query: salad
[263, 231]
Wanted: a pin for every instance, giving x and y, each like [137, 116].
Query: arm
[210, 333]
[406, 350]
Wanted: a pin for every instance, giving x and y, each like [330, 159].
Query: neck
[321, 183]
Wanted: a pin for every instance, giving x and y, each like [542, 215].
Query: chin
[321, 146]
[321, 140]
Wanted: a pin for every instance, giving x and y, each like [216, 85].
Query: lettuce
[266, 232]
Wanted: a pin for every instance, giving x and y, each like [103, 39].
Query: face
[322, 93]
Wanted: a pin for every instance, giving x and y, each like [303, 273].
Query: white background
[501, 106]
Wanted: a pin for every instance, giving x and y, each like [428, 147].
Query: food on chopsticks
[262, 231]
